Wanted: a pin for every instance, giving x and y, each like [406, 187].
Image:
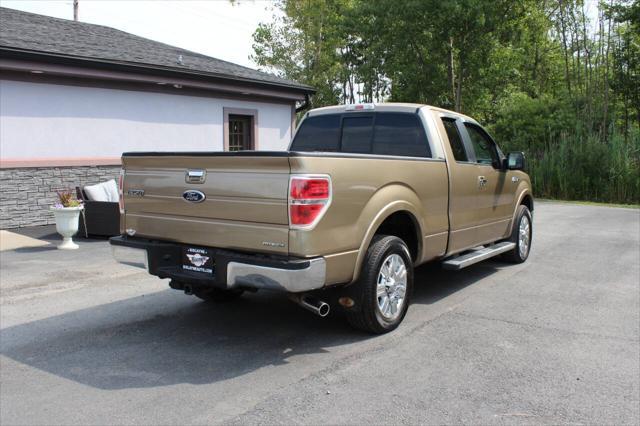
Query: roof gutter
[135, 66]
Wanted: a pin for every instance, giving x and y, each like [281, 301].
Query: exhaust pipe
[312, 304]
[188, 290]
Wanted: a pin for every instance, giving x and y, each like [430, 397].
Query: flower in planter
[66, 211]
[67, 199]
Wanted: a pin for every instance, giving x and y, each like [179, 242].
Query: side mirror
[515, 161]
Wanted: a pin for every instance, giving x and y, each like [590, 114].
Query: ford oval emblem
[194, 196]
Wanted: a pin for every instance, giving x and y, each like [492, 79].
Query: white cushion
[112, 190]
[96, 192]
[105, 191]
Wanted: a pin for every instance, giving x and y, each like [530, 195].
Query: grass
[582, 167]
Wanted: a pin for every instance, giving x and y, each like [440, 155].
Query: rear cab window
[356, 135]
[320, 133]
[455, 139]
[400, 134]
[379, 133]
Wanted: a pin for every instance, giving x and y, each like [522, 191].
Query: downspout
[305, 104]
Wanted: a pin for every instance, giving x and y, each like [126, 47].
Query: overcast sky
[214, 27]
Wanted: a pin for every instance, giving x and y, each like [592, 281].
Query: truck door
[463, 185]
[495, 191]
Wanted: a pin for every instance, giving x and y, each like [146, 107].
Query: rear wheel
[387, 281]
[217, 294]
[521, 235]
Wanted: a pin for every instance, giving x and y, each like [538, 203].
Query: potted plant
[67, 212]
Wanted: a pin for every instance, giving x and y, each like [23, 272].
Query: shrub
[567, 159]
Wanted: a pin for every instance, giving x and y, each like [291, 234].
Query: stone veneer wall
[27, 193]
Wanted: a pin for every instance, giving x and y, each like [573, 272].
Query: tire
[522, 235]
[374, 315]
[217, 295]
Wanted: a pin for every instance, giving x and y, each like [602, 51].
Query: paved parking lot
[555, 340]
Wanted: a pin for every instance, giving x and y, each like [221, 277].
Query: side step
[475, 256]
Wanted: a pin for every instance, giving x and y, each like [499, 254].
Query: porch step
[477, 255]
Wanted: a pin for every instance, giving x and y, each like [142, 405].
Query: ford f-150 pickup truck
[364, 193]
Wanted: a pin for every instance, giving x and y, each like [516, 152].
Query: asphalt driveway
[555, 340]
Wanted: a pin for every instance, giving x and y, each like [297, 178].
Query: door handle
[482, 181]
[195, 176]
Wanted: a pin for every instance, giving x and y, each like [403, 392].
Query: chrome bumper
[131, 256]
[294, 276]
[290, 280]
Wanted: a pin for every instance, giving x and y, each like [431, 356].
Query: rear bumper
[232, 269]
[130, 256]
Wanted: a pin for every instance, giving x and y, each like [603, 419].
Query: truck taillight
[121, 191]
[309, 199]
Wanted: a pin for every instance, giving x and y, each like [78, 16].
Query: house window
[240, 129]
[240, 133]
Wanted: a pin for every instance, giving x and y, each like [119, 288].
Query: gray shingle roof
[39, 33]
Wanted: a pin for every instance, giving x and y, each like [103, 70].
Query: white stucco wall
[46, 120]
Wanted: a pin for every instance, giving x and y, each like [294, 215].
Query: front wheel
[387, 281]
[521, 235]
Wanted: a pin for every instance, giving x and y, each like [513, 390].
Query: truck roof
[386, 106]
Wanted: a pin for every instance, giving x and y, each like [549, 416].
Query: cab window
[400, 134]
[483, 146]
[356, 134]
[321, 133]
[377, 133]
[455, 140]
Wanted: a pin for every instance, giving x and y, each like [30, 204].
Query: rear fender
[379, 208]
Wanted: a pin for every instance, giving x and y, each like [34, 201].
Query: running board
[476, 256]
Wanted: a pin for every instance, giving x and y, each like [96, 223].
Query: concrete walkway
[14, 241]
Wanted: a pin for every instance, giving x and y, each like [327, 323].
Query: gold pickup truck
[363, 195]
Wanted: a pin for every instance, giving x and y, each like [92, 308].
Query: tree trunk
[450, 74]
[534, 72]
[352, 98]
[563, 32]
[458, 106]
[605, 133]
[588, 69]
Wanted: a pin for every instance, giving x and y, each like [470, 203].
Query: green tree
[304, 45]
[543, 75]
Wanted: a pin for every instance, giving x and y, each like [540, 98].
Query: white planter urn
[67, 219]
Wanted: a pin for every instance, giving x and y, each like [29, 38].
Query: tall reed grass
[581, 166]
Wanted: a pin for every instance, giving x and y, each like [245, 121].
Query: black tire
[370, 317]
[217, 295]
[516, 255]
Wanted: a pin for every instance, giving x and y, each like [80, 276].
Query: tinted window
[482, 145]
[356, 134]
[321, 133]
[392, 134]
[400, 134]
[455, 140]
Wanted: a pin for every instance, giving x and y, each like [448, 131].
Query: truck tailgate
[245, 205]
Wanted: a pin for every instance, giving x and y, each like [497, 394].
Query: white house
[74, 96]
